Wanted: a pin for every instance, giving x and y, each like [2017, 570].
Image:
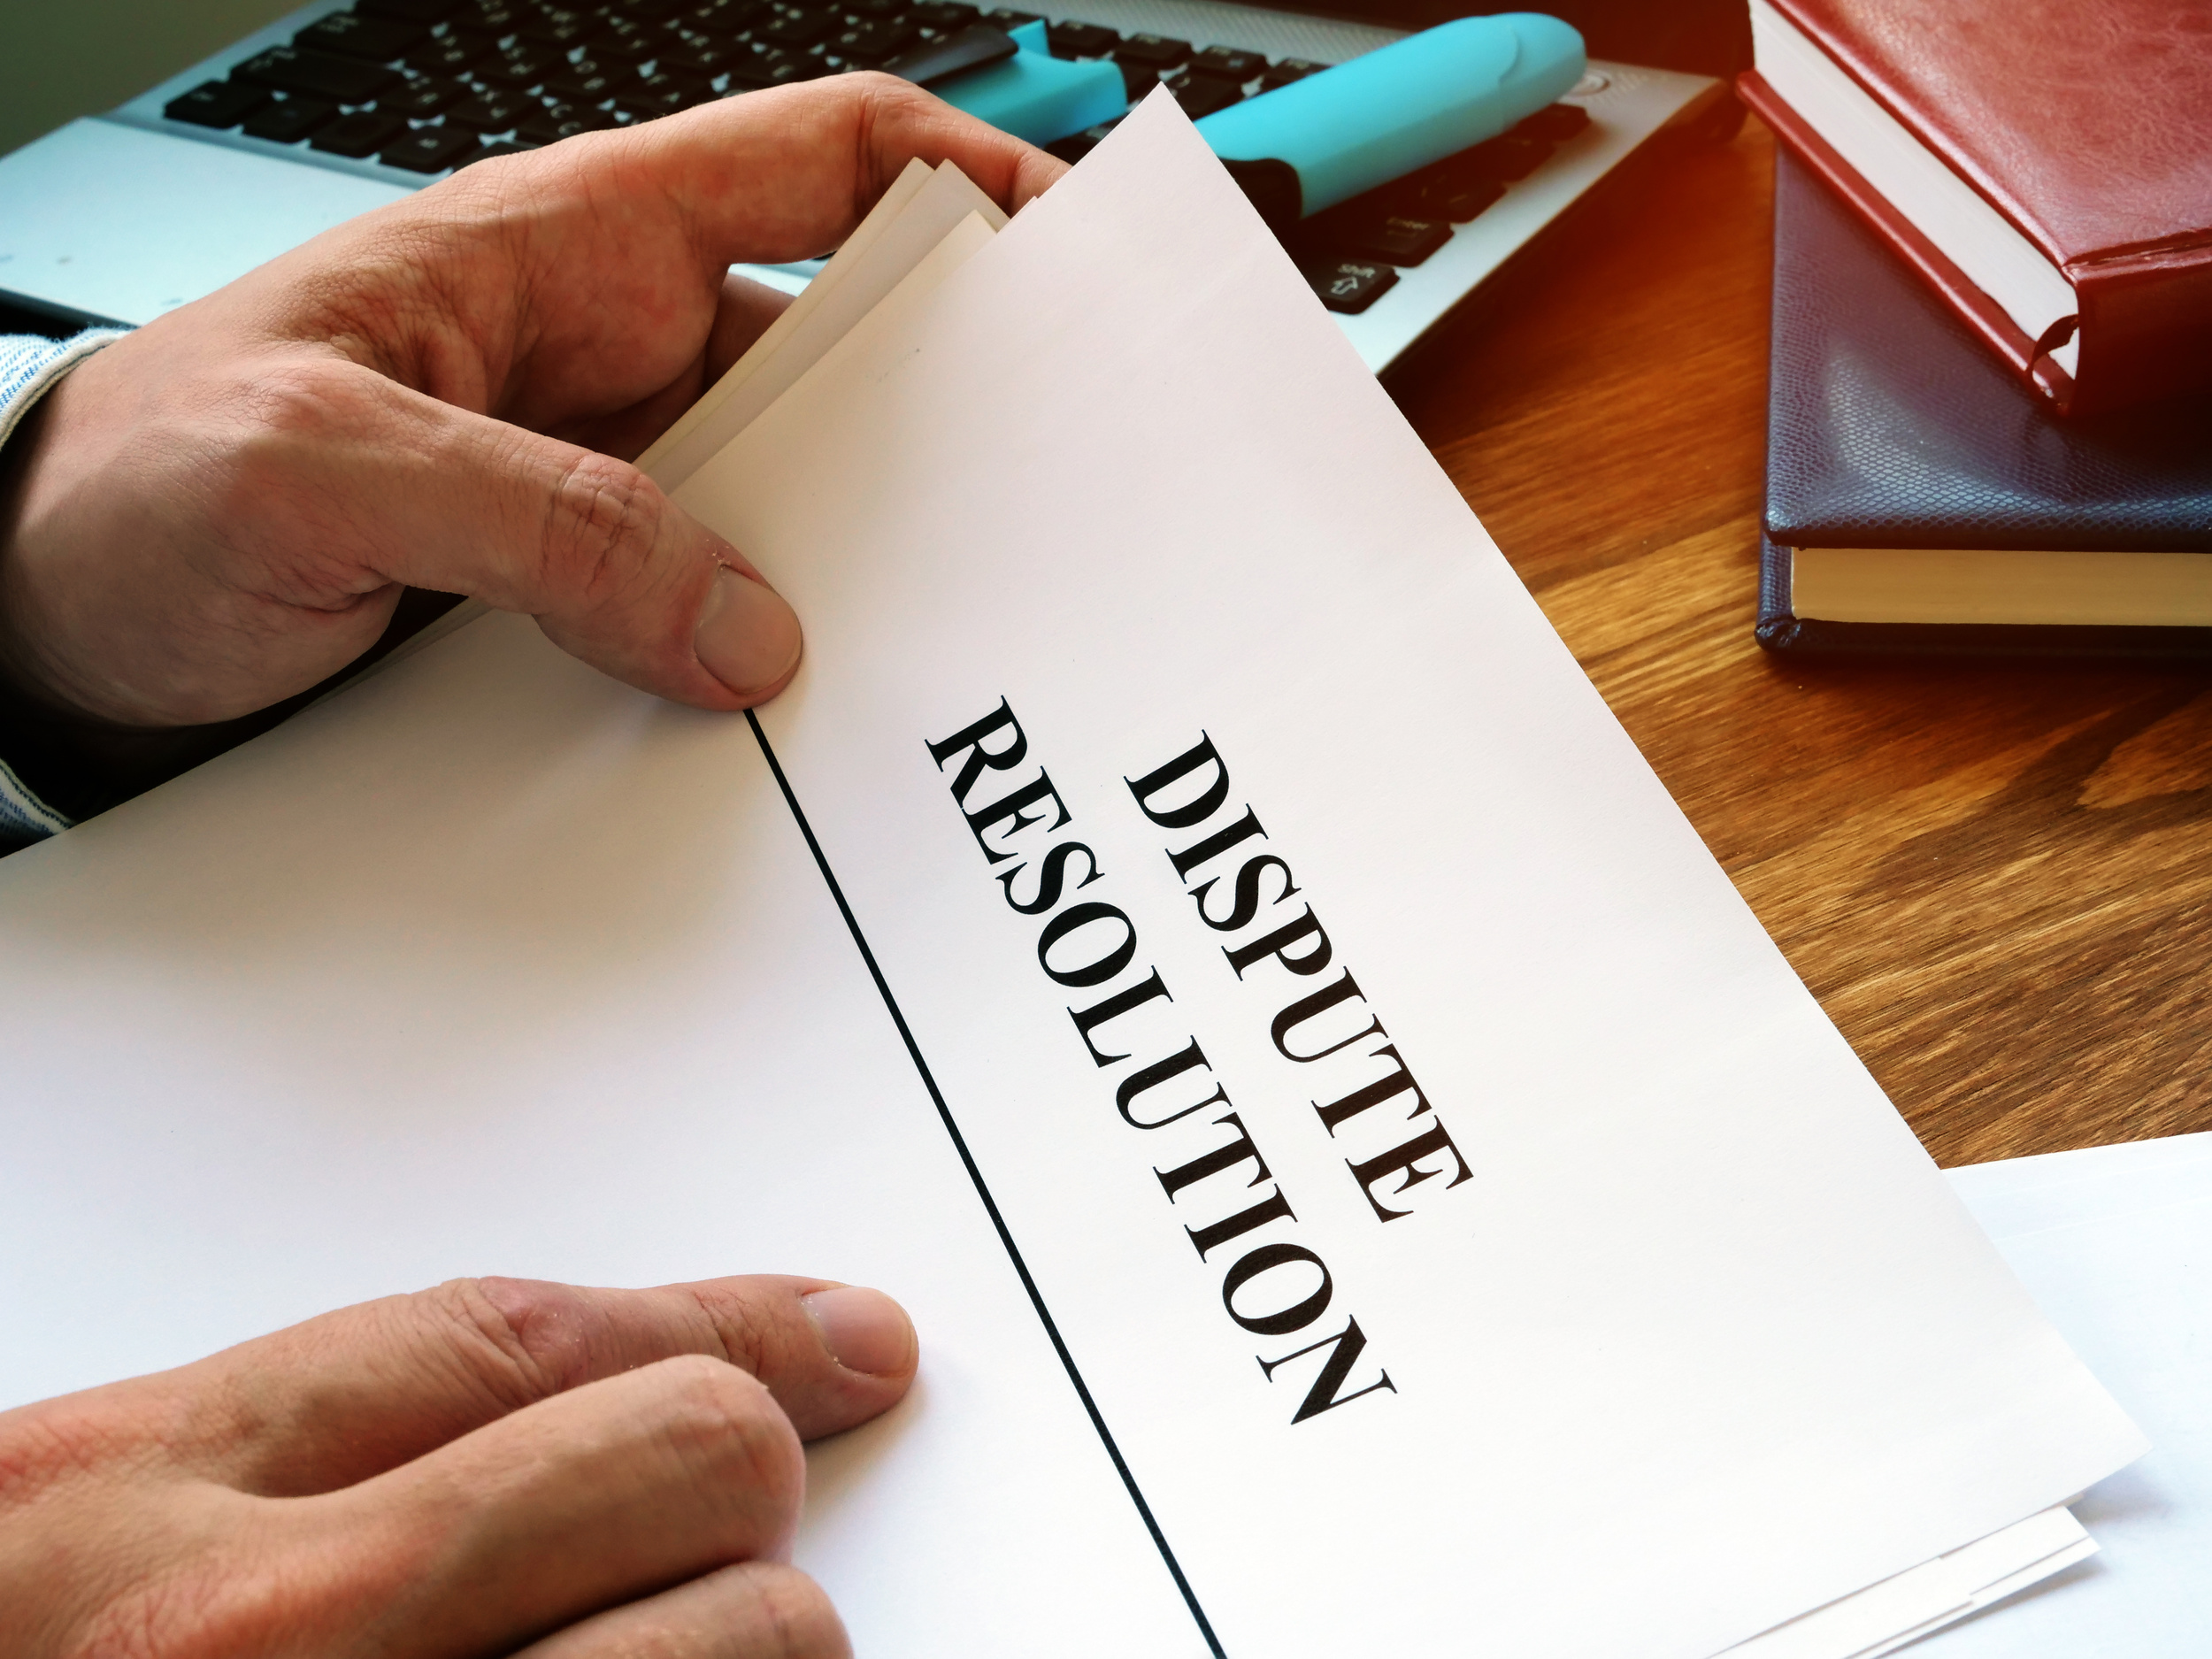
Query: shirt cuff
[30, 366]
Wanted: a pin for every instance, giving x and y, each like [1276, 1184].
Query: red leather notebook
[2086, 125]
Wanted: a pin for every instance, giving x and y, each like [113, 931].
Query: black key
[1459, 200]
[505, 147]
[429, 149]
[627, 43]
[492, 111]
[1003, 18]
[951, 54]
[1081, 40]
[522, 66]
[661, 94]
[1389, 238]
[1156, 52]
[752, 67]
[448, 54]
[410, 11]
[291, 120]
[1228, 64]
[561, 27]
[217, 104]
[557, 121]
[1202, 94]
[496, 18]
[701, 57]
[350, 35]
[944, 16]
[318, 74]
[648, 12]
[588, 80]
[873, 42]
[419, 100]
[1503, 160]
[1349, 285]
[1553, 124]
[798, 28]
[1136, 81]
[1290, 69]
[1073, 149]
[359, 135]
[724, 20]
[875, 10]
[775, 67]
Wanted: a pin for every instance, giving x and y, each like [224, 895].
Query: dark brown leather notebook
[2046, 167]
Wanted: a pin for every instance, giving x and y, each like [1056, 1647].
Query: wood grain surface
[1997, 880]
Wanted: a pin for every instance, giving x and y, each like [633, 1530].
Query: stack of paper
[1365, 1181]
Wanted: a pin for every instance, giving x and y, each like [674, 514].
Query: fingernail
[748, 637]
[863, 1330]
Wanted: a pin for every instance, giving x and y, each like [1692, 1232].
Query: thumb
[353, 1393]
[614, 572]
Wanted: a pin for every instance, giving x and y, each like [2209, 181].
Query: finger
[743, 315]
[837, 143]
[587, 1501]
[780, 174]
[360, 482]
[356, 1393]
[746, 310]
[757, 1609]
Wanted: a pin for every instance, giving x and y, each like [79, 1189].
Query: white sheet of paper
[874, 260]
[490, 965]
[827, 281]
[1887, 1615]
[1201, 514]
[2116, 1245]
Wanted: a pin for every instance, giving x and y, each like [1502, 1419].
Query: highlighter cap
[1036, 96]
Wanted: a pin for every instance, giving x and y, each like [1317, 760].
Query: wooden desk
[1995, 879]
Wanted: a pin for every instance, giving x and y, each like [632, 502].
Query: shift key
[318, 74]
[1389, 238]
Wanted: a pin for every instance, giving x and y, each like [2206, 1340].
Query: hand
[221, 510]
[483, 1467]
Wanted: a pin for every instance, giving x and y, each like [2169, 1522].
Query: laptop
[346, 104]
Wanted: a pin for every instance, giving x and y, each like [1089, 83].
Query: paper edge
[888, 206]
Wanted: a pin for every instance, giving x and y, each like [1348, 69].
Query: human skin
[221, 510]
[493, 1467]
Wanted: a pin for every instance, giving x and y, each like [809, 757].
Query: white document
[492, 965]
[2116, 1244]
[901, 232]
[841, 265]
[1201, 516]
[1900, 1610]
[1642, 1327]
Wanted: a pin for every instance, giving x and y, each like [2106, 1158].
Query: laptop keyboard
[429, 85]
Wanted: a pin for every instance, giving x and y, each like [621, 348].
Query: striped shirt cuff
[29, 367]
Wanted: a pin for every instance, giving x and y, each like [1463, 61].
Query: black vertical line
[983, 1191]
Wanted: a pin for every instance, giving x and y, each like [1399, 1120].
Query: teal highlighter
[1303, 146]
[1382, 115]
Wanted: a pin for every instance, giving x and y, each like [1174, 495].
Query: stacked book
[1989, 425]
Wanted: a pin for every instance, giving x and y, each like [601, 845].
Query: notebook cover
[1983, 317]
[1889, 425]
[2088, 126]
